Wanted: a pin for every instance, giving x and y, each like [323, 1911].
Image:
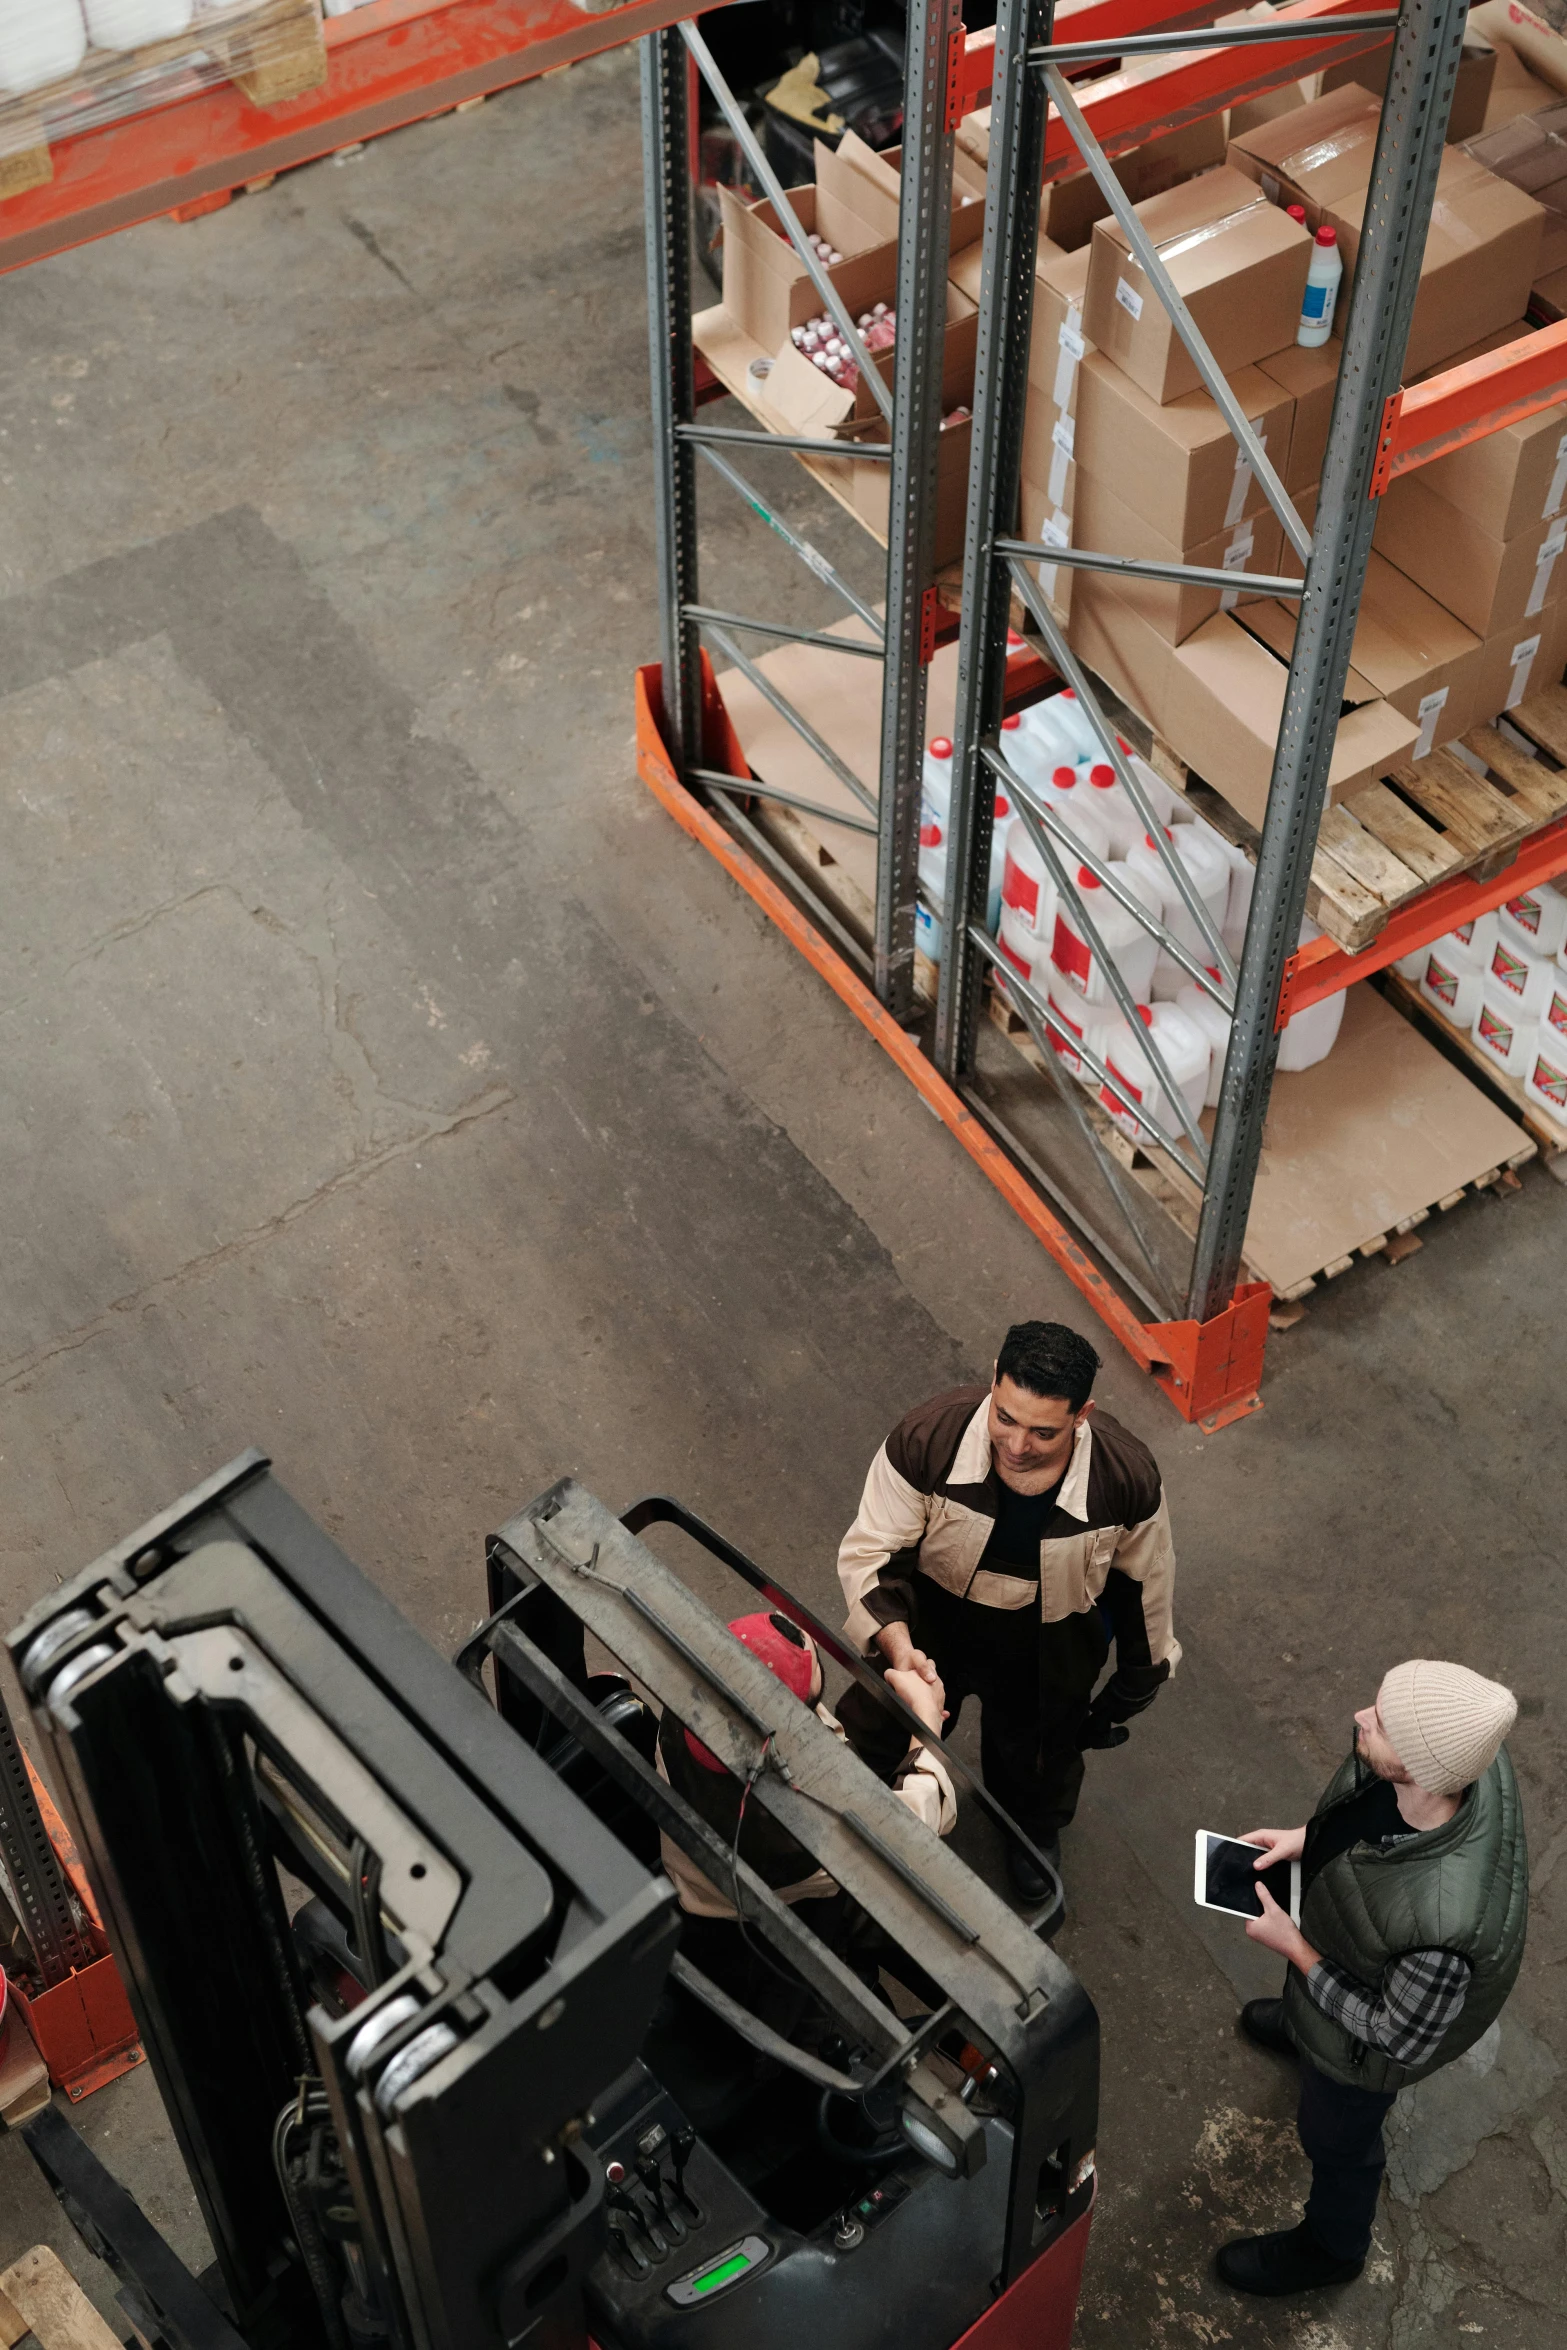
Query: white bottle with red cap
[1003, 817]
[1021, 950]
[1209, 873]
[1187, 1056]
[1124, 940]
[1049, 742]
[1071, 715]
[41, 41]
[935, 811]
[1111, 804]
[1311, 1035]
[1214, 1022]
[1323, 273]
[1026, 883]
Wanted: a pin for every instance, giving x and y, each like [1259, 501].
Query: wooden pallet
[1321, 1208]
[1548, 1132]
[1464, 809]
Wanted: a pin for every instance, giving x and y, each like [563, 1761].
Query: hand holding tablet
[1229, 1869]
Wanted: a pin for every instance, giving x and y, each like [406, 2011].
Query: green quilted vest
[1463, 1887]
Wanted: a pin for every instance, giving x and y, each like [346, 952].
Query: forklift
[409, 1976]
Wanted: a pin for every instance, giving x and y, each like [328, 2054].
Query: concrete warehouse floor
[391, 1084]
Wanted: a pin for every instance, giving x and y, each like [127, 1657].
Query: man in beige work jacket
[1006, 1536]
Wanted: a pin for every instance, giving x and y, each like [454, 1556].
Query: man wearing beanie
[1414, 1899]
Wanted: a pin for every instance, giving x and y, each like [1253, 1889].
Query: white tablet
[1227, 1877]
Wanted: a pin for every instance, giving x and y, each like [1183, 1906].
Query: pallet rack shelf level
[389, 64]
[1385, 871]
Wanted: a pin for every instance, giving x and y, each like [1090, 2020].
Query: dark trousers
[1341, 2132]
[1031, 1765]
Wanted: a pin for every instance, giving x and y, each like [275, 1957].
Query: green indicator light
[734, 2267]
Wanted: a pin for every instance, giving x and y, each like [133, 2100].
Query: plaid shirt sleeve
[1421, 1997]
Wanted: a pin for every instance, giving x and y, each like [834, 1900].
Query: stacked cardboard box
[1484, 532]
[1157, 476]
[1482, 251]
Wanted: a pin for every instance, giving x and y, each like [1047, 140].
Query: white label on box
[1430, 710]
[1269, 186]
[1060, 467]
[1069, 338]
[1236, 557]
[1073, 349]
[1240, 487]
[1523, 662]
[1558, 488]
[1064, 433]
[1550, 547]
[1129, 298]
[1055, 531]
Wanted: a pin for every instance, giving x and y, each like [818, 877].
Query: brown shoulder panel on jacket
[1124, 1484]
[922, 1446]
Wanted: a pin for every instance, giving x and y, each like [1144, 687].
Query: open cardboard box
[1177, 464]
[802, 399]
[1070, 205]
[1173, 608]
[1314, 154]
[1238, 262]
[1218, 700]
[1407, 648]
[767, 289]
[1310, 376]
[1471, 91]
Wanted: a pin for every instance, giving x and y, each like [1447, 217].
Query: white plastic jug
[129, 24]
[1027, 955]
[1545, 1078]
[1413, 967]
[1526, 977]
[41, 41]
[1555, 1012]
[1187, 1057]
[1028, 894]
[1046, 737]
[1205, 1014]
[1210, 875]
[1311, 1035]
[1504, 1034]
[927, 932]
[1089, 1023]
[1450, 983]
[935, 808]
[1111, 804]
[1166, 804]
[1074, 719]
[1537, 920]
[1075, 804]
[1127, 944]
[1472, 941]
[1002, 818]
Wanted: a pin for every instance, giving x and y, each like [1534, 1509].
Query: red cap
[1125, 745]
[1145, 1015]
[787, 1652]
[1101, 776]
[1326, 235]
[1297, 212]
[1007, 724]
[940, 746]
[1003, 805]
[1063, 777]
[1014, 639]
[1087, 880]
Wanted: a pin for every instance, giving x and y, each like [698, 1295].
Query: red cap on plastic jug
[1003, 806]
[940, 746]
[1063, 777]
[1007, 724]
[1145, 1015]
[1101, 776]
[1297, 212]
[1087, 880]
[1326, 235]
[1014, 641]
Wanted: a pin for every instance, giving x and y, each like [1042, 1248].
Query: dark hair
[1048, 1359]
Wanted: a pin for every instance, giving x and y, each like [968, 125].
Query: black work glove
[1099, 1731]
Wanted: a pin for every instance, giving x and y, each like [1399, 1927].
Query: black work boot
[1262, 2020]
[1290, 2262]
[1028, 1882]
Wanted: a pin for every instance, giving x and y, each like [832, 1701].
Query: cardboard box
[1509, 25]
[1049, 523]
[1176, 610]
[1548, 296]
[1178, 465]
[1407, 647]
[1471, 93]
[1514, 89]
[1069, 206]
[1311, 379]
[1512, 478]
[1315, 155]
[1521, 661]
[1049, 435]
[866, 185]
[1489, 583]
[1218, 700]
[1238, 262]
[1057, 344]
[766, 288]
[1481, 257]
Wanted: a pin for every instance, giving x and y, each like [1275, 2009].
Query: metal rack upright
[1208, 1358]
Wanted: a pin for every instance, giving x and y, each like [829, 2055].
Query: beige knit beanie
[1445, 1722]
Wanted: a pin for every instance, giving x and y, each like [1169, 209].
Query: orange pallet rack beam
[393, 63]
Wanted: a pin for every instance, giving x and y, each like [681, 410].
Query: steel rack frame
[1207, 1357]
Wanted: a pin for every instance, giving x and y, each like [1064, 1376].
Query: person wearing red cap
[919, 1778]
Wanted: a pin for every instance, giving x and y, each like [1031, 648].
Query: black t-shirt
[1021, 1519]
[1371, 1817]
